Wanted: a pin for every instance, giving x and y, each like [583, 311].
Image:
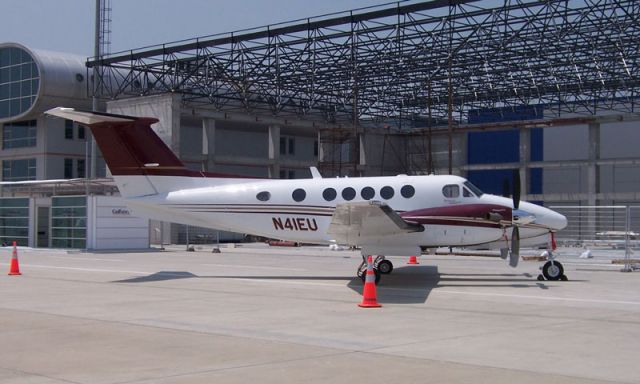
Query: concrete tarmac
[255, 314]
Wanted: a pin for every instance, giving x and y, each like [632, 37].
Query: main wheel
[385, 267]
[552, 270]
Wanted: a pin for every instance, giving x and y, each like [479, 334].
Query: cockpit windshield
[473, 188]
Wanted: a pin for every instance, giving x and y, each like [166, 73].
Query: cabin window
[329, 194]
[367, 193]
[386, 192]
[451, 191]
[348, 193]
[299, 195]
[263, 196]
[407, 191]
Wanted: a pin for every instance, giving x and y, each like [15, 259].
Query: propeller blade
[516, 188]
[504, 253]
[514, 257]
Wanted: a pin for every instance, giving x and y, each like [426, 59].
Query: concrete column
[320, 148]
[525, 158]
[362, 162]
[274, 151]
[175, 126]
[208, 144]
[593, 177]
[593, 171]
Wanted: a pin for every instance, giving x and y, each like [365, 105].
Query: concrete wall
[114, 227]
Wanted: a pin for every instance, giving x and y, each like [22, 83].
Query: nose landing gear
[552, 270]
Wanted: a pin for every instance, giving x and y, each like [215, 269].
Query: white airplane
[395, 215]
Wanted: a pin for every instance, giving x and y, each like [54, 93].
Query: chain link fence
[612, 230]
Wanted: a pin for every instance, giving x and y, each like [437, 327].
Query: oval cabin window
[263, 196]
[348, 193]
[329, 194]
[299, 195]
[407, 191]
[367, 193]
[387, 192]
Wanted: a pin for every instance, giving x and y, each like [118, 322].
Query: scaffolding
[401, 64]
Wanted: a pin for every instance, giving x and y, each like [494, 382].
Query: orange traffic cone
[369, 293]
[14, 269]
[413, 260]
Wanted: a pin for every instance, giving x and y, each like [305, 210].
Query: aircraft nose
[554, 220]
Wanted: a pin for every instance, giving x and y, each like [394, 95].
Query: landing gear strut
[362, 269]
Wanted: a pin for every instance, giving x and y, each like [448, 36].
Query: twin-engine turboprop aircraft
[382, 215]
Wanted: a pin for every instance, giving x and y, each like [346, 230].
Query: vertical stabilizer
[130, 148]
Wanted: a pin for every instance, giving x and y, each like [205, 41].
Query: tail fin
[130, 148]
[128, 144]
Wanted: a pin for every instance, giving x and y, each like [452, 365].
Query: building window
[283, 145]
[81, 168]
[68, 168]
[292, 146]
[287, 174]
[316, 148]
[19, 82]
[68, 129]
[14, 220]
[68, 221]
[19, 170]
[19, 134]
[81, 132]
[287, 145]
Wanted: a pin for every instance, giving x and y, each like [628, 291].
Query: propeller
[514, 255]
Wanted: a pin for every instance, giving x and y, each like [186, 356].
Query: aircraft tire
[385, 267]
[553, 270]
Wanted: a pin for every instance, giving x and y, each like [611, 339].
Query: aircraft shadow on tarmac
[406, 285]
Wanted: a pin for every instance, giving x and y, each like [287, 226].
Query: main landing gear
[552, 270]
[381, 266]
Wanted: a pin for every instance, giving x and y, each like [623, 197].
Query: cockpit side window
[451, 191]
[466, 192]
[477, 191]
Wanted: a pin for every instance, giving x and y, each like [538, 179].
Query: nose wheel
[552, 270]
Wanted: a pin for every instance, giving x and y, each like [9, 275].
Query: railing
[614, 228]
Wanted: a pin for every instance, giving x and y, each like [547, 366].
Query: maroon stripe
[480, 211]
[456, 222]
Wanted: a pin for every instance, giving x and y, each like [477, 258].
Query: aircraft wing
[362, 223]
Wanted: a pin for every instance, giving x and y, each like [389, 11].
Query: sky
[68, 25]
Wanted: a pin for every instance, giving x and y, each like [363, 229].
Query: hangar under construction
[546, 88]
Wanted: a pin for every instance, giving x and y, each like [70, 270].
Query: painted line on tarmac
[254, 267]
[86, 269]
[538, 297]
[289, 282]
[82, 258]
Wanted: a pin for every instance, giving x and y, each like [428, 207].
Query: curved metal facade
[32, 81]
